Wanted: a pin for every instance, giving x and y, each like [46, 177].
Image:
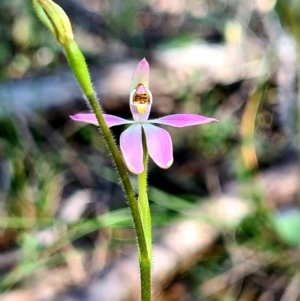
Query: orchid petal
[182, 120]
[110, 120]
[159, 145]
[141, 75]
[132, 148]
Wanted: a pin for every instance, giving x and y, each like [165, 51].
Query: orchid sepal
[132, 148]
[111, 120]
[141, 75]
[183, 120]
[159, 145]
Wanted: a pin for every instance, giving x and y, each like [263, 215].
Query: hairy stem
[143, 204]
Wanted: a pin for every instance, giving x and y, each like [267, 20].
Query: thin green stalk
[298, 115]
[143, 204]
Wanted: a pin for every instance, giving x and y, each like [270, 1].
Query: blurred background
[226, 217]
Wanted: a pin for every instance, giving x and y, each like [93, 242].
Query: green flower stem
[79, 68]
[143, 204]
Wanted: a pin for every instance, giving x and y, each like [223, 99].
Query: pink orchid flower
[158, 140]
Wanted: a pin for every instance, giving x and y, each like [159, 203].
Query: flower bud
[55, 19]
